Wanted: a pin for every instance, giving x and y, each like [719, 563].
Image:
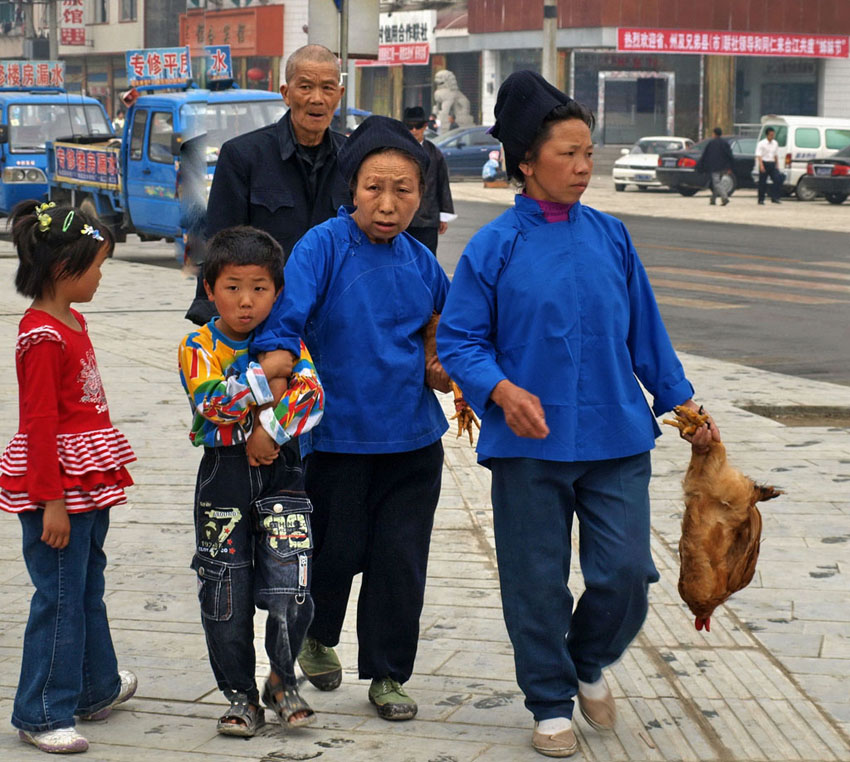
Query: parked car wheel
[688, 191]
[619, 186]
[835, 198]
[804, 192]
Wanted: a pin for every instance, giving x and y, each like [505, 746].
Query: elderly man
[283, 178]
[431, 218]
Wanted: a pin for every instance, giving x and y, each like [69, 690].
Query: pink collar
[553, 211]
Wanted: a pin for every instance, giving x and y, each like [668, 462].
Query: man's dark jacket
[260, 180]
[437, 196]
[717, 156]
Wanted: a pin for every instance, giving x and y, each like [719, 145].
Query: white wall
[294, 36]
[834, 96]
[115, 36]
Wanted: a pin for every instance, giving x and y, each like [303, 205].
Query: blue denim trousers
[534, 502]
[68, 665]
[253, 549]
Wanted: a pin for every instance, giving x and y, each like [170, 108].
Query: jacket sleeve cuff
[672, 396]
[258, 384]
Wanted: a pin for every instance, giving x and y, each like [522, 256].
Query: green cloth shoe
[391, 700]
[320, 664]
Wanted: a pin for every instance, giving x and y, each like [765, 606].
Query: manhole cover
[803, 415]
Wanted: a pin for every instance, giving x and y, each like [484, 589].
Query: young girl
[61, 473]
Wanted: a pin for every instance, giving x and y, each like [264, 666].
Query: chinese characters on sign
[97, 166]
[405, 37]
[732, 43]
[219, 62]
[32, 74]
[73, 28]
[158, 66]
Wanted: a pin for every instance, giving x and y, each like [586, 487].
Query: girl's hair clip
[89, 230]
[44, 219]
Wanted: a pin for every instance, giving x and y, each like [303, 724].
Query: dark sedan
[831, 176]
[466, 150]
[677, 169]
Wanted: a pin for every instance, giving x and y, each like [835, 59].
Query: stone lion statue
[448, 99]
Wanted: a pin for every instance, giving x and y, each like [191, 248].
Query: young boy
[252, 527]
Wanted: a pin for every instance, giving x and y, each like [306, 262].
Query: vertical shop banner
[162, 67]
[73, 28]
[20, 74]
[219, 62]
[707, 42]
[405, 37]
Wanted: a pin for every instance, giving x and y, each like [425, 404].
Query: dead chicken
[721, 528]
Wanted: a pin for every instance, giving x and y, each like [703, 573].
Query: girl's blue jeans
[68, 665]
[533, 506]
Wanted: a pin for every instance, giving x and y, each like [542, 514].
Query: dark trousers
[373, 514]
[253, 548]
[771, 171]
[533, 506]
[428, 236]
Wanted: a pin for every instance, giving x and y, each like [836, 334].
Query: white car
[637, 165]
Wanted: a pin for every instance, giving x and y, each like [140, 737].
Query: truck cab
[29, 118]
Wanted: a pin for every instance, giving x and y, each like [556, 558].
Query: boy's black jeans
[253, 547]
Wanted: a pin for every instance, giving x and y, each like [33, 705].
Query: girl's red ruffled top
[66, 446]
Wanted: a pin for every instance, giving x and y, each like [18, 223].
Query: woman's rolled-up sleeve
[654, 360]
[465, 335]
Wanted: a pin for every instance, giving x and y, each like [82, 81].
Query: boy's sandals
[292, 710]
[243, 718]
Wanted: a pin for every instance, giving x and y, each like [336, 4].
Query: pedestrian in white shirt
[766, 152]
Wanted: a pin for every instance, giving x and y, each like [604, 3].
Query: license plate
[644, 178]
[668, 162]
[824, 169]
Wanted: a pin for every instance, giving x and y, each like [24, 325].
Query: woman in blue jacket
[360, 291]
[549, 324]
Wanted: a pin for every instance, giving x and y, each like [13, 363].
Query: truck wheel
[619, 186]
[804, 192]
[688, 191]
[87, 207]
[835, 198]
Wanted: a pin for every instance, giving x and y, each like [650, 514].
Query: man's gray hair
[311, 54]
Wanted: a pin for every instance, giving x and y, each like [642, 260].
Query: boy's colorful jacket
[225, 386]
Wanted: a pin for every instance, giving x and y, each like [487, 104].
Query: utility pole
[53, 30]
[343, 54]
[549, 65]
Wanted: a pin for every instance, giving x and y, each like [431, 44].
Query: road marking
[746, 293]
[714, 253]
[790, 271]
[697, 304]
[833, 264]
[807, 285]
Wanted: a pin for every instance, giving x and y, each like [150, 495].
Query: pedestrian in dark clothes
[718, 161]
[429, 222]
[282, 178]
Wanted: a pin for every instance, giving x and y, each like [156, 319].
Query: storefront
[255, 36]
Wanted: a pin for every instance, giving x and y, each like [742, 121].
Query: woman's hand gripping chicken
[721, 528]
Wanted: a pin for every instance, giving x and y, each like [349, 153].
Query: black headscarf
[373, 133]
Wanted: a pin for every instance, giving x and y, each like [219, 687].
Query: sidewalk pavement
[770, 682]
[742, 207]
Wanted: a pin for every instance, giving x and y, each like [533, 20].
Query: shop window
[837, 139]
[137, 137]
[807, 137]
[101, 11]
[128, 10]
[159, 142]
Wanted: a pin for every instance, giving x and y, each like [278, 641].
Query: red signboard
[73, 31]
[407, 53]
[717, 43]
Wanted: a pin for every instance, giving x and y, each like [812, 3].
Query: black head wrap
[525, 99]
[373, 133]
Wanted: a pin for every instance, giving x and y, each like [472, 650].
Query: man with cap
[430, 221]
[283, 178]
[549, 324]
[360, 291]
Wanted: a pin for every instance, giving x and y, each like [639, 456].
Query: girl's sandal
[290, 705]
[243, 718]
